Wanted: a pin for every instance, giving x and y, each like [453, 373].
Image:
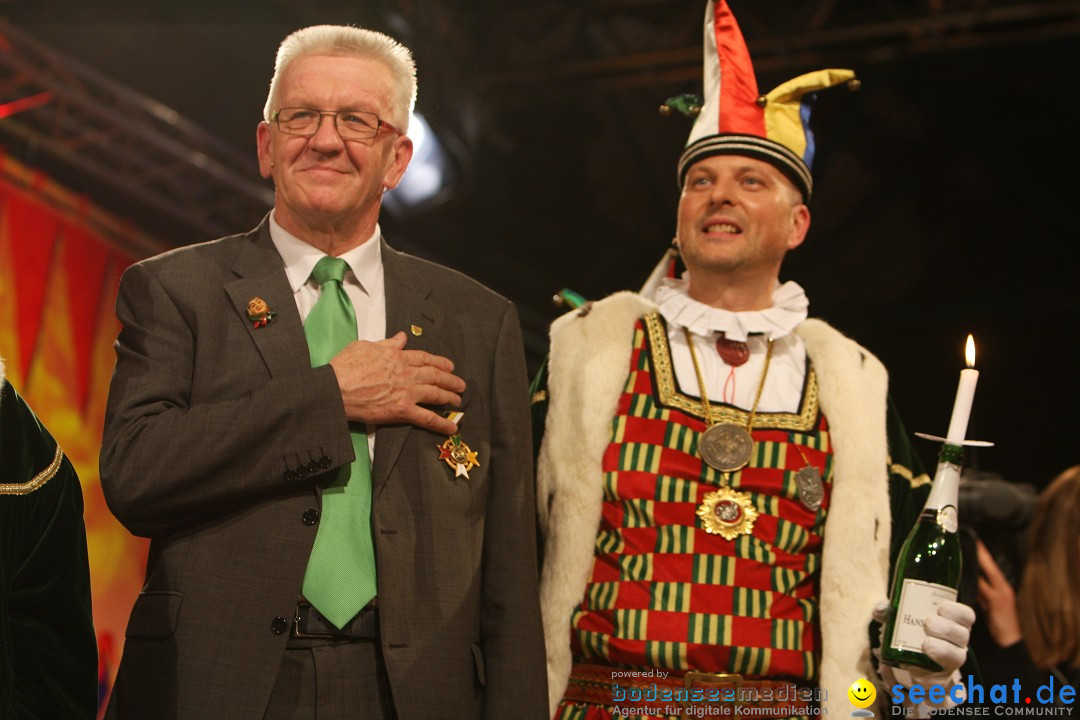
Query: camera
[989, 502]
[996, 511]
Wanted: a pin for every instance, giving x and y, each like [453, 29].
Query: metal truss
[136, 155]
[487, 65]
[625, 44]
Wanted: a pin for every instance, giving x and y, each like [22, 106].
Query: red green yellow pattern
[666, 594]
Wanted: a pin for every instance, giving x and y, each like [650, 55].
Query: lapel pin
[417, 330]
[258, 312]
[456, 453]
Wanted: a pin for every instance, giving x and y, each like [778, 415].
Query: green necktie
[340, 577]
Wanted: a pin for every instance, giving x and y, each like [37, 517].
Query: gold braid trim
[905, 472]
[665, 383]
[37, 481]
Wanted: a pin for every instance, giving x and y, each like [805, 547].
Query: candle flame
[969, 351]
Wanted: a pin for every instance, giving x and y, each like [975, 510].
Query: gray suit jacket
[209, 419]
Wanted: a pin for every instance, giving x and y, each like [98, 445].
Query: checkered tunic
[663, 592]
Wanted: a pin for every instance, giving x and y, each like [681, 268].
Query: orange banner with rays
[58, 283]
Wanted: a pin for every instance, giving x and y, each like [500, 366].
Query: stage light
[430, 176]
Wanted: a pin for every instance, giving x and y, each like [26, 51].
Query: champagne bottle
[927, 572]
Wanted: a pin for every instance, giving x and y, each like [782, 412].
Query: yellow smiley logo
[862, 693]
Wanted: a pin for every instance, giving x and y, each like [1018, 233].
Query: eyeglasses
[350, 124]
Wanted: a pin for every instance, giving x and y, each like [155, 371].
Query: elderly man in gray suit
[326, 441]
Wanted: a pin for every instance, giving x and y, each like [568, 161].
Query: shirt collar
[789, 308]
[300, 257]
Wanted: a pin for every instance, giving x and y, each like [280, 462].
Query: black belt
[310, 623]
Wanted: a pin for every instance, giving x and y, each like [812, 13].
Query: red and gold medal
[456, 453]
[727, 513]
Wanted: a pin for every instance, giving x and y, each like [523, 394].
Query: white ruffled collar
[789, 308]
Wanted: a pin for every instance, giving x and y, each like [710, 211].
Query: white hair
[349, 41]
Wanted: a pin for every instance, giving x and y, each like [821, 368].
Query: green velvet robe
[48, 655]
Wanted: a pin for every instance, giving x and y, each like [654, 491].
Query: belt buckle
[694, 679]
[298, 633]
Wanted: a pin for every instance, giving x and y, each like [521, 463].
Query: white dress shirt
[363, 283]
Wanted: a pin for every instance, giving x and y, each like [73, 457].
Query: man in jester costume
[722, 481]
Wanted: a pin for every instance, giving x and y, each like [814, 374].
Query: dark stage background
[946, 188]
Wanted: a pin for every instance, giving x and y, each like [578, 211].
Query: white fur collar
[2, 376]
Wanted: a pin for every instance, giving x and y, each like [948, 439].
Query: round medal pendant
[727, 513]
[811, 489]
[726, 447]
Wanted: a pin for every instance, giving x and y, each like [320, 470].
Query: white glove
[946, 643]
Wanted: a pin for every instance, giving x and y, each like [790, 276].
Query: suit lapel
[407, 305]
[283, 345]
[261, 274]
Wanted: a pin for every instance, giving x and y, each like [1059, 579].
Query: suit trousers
[331, 679]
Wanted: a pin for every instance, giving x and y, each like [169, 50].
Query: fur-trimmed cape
[588, 363]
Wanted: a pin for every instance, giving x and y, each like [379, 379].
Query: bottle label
[918, 601]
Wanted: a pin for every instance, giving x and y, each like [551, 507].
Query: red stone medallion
[733, 352]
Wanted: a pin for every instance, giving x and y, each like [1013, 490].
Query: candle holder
[956, 443]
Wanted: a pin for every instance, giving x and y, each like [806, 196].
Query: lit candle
[965, 394]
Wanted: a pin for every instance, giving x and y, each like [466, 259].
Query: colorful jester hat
[735, 120]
